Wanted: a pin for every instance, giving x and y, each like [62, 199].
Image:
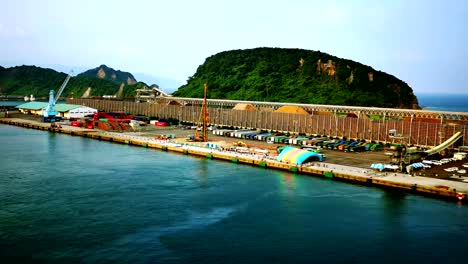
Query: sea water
[66, 199]
[444, 102]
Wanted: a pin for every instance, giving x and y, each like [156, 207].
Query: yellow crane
[202, 136]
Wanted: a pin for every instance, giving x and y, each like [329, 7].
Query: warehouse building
[67, 111]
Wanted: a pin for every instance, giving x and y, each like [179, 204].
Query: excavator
[201, 135]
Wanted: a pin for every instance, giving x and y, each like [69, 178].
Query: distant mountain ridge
[107, 73]
[26, 80]
[296, 76]
[169, 85]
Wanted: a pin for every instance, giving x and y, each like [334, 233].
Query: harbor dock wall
[414, 184]
[410, 131]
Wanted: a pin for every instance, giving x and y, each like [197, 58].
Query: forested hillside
[27, 80]
[299, 76]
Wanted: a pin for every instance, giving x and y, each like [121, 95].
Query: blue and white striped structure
[212, 145]
[378, 166]
[417, 165]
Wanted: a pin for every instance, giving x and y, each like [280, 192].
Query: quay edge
[413, 184]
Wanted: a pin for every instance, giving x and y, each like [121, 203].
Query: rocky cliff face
[87, 93]
[328, 68]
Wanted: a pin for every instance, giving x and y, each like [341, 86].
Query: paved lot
[356, 159]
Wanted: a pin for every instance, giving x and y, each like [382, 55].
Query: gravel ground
[437, 171]
[356, 159]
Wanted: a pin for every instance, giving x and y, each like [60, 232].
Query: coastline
[416, 184]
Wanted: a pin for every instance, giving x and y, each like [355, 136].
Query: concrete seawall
[446, 189]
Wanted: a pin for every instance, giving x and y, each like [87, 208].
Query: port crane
[50, 114]
[202, 118]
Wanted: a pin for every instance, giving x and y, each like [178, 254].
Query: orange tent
[242, 106]
[292, 110]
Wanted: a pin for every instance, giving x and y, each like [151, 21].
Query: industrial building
[67, 111]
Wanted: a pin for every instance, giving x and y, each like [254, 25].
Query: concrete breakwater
[436, 187]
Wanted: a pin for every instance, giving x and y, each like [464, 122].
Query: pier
[416, 184]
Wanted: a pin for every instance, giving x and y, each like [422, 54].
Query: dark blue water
[16, 103]
[67, 199]
[11, 103]
[444, 102]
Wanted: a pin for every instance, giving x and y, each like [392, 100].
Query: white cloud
[11, 32]
[19, 32]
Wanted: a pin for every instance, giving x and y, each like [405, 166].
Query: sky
[422, 42]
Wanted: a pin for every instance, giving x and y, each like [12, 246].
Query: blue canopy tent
[297, 156]
[378, 166]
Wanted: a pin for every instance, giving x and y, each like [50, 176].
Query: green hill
[27, 80]
[296, 76]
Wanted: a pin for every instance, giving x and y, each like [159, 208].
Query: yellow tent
[292, 110]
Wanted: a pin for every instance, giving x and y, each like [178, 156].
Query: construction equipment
[202, 136]
[49, 113]
[239, 144]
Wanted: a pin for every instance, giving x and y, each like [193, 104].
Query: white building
[79, 112]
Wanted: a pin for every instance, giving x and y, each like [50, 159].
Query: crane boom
[59, 93]
[49, 112]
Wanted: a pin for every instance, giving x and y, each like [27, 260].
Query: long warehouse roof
[42, 105]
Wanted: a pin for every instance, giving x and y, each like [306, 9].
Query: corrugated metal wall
[418, 133]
